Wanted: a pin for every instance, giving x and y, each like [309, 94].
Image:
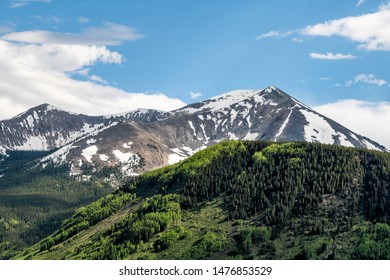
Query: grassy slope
[212, 217]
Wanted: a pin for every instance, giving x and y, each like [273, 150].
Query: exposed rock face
[144, 139]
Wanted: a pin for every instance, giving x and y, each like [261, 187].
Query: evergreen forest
[35, 201]
[237, 200]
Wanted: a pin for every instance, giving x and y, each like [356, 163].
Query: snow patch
[37, 143]
[59, 156]
[344, 140]
[128, 161]
[353, 135]
[317, 129]
[30, 121]
[300, 103]
[248, 119]
[178, 151]
[122, 157]
[233, 116]
[89, 152]
[232, 136]
[183, 153]
[192, 127]
[251, 136]
[222, 101]
[104, 157]
[204, 133]
[259, 99]
[270, 89]
[175, 158]
[370, 145]
[283, 126]
[188, 150]
[127, 145]
[91, 141]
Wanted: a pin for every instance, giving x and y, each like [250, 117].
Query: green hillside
[239, 200]
[34, 201]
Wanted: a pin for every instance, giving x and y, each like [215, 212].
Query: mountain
[143, 139]
[239, 200]
[46, 127]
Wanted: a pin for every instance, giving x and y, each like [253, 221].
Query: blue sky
[102, 57]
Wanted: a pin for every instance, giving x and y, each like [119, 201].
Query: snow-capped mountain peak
[144, 139]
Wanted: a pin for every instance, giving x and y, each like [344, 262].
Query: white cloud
[23, 3]
[331, 56]
[195, 95]
[346, 84]
[324, 78]
[85, 73]
[109, 34]
[360, 2]
[371, 31]
[365, 118]
[297, 40]
[83, 20]
[268, 35]
[369, 79]
[35, 74]
[364, 78]
[274, 33]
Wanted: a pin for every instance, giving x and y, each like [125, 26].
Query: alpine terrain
[286, 195]
[145, 139]
[239, 200]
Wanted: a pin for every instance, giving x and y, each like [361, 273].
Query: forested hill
[240, 199]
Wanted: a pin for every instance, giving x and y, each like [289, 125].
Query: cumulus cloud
[365, 118]
[195, 95]
[23, 3]
[46, 72]
[370, 79]
[371, 31]
[110, 34]
[331, 56]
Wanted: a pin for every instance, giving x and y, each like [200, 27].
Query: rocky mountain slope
[143, 139]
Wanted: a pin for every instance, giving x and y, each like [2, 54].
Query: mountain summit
[145, 139]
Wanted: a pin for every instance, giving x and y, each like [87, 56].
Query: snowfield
[89, 152]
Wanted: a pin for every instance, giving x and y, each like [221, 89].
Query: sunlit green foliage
[277, 201]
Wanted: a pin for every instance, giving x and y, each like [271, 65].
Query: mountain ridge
[144, 139]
